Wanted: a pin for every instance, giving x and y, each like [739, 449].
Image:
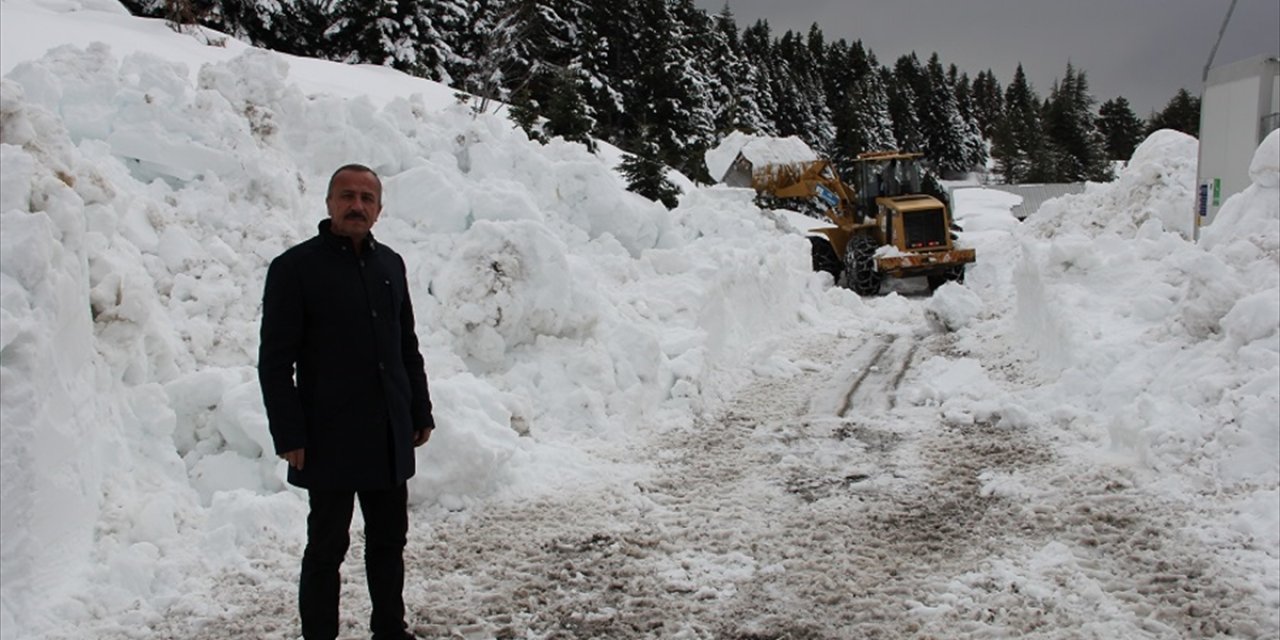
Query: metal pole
[1213, 52]
[1204, 80]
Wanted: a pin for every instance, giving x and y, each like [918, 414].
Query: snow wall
[140, 213]
[556, 309]
[1125, 311]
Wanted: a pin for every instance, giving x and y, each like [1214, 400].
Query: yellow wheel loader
[885, 226]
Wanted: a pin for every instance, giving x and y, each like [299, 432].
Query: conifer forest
[665, 81]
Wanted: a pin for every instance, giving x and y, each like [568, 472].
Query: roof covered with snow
[759, 151]
[767, 151]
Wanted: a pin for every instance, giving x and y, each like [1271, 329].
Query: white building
[1239, 107]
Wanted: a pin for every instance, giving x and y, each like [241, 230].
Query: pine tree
[874, 121]
[1069, 121]
[988, 102]
[738, 101]
[669, 98]
[975, 147]
[963, 90]
[697, 130]
[1019, 148]
[1092, 152]
[833, 79]
[940, 121]
[1121, 129]
[526, 112]
[464, 27]
[1182, 113]
[300, 28]
[483, 66]
[566, 111]
[446, 28]
[393, 33]
[722, 61]
[838, 79]
[798, 94]
[647, 176]
[901, 84]
[610, 65]
[757, 52]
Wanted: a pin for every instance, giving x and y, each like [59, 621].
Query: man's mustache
[355, 214]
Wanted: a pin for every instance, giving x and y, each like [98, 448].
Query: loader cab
[891, 195]
[885, 174]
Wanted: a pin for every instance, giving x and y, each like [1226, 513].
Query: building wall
[1236, 112]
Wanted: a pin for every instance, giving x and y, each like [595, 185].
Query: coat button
[382, 367]
[375, 313]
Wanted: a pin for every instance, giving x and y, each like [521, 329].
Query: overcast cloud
[1144, 50]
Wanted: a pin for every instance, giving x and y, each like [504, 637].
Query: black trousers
[386, 520]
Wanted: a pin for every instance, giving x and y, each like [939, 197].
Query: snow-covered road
[1080, 442]
[814, 505]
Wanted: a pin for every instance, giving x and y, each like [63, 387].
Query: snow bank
[1166, 352]
[140, 209]
[142, 198]
[1157, 184]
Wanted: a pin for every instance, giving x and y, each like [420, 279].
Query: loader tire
[954, 274]
[860, 273]
[825, 258]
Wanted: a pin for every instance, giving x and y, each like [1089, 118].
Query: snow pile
[140, 210]
[1158, 184]
[1250, 215]
[561, 315]
[1155, 358]
[1167, 352]
[953, 307]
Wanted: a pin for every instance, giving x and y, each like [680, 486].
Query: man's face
[354, 202]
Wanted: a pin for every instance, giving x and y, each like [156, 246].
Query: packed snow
[592, 357]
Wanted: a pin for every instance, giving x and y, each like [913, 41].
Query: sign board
[827, 195]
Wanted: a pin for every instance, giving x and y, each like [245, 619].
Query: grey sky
[1144, 50]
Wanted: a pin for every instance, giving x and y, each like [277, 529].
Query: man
[346, 396]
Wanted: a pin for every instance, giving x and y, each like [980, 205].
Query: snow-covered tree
[875, 123]
[736, 97]
[608, 64]
[975, 145]
[647, 177]
[988, 102]
[695, 34]
[670, 96]
[940, 121]
[757, 52]
[901, 83]
[394, 33]
[800, 105]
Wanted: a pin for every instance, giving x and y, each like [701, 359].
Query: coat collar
[342, 243]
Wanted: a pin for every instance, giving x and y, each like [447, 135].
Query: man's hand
[295, 458]
[421, 436]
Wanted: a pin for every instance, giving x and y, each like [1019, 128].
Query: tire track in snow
[777, 519]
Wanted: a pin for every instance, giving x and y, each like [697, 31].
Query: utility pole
[1204, 77]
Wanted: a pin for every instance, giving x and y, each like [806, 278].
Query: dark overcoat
[339, 365]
